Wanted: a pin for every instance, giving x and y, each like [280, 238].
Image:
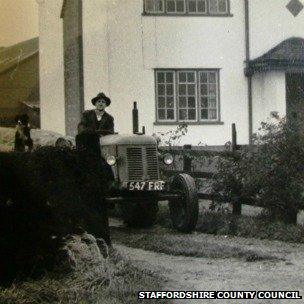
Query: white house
[209, 63]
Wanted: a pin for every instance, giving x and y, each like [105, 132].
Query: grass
[164, 239]
[221, 222]
[114, 280]
[260, 227]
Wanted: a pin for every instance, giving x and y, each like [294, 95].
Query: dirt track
[282, 267]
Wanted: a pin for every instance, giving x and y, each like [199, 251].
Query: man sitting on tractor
[97, 120]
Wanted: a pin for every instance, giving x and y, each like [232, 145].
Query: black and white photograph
[151, 151]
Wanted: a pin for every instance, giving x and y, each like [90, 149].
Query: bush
[270, 174]
[45, 196]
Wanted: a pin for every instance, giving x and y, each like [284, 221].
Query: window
[154, 6]
[187, 95]
[197, 6]
[218, 6]
[165, 96]
[187, 7]
[175, 6]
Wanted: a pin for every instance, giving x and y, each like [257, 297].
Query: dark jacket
[90, 124]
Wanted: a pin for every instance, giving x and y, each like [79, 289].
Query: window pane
[212, 89]
[201, 6]
[170, 114]
[149, 5]
[212, 77]
[160, 77]
[182, 114]
[190, 77]
[170, 102]
[212, 114]
[180, 6]
[191, 89]
[170, 6]
[169, 89]
[169, 77]
[212, 103]
[204, 89]
[191, 114]
[191, 102]
[204, 102]
[192, 6]
[204, 77]
[182, 77]
[159, 5]
[182, 89]
[204, 114]
[161, 102]
[222, 6]
[182, 102]
[213, 6]
[161, 89]
[161, 114]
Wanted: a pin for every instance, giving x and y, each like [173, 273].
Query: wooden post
[187, 159]
[236, 206]
[233, 138]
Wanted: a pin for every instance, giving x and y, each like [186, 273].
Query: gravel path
[284, 272]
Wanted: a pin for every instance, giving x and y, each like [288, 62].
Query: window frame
[186, 12]
[198, 107]
[157, 95]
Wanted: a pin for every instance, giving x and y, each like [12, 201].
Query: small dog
[23, 134]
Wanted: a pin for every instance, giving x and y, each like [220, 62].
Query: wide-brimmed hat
[101, 96]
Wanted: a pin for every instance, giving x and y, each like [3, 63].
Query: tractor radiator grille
[135, 163]
[152, 163]
[142, 163]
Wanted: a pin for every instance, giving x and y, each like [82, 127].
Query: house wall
[269, 94]
[16, 85]
[95, 49]
[122, 48]
[271, 23]
[51, 66]
[137, 44]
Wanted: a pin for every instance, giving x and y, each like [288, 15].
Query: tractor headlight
[111, 160]
[168, 159]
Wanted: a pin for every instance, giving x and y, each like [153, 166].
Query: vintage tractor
[138, 186]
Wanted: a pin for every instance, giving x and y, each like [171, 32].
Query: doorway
[295, 100]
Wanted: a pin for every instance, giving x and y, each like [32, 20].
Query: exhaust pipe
[135, 118]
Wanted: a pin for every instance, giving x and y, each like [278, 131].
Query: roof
[32, 100]
[12, 55]
[287, 54]
[64, 3]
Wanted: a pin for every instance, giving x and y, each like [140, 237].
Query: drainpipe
[248, 72]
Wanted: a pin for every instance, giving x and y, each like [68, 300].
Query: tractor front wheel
[184, 211]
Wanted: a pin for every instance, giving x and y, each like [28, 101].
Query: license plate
[145, 186]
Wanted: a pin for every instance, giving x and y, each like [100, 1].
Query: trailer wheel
[140, 214]
[184, 211]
